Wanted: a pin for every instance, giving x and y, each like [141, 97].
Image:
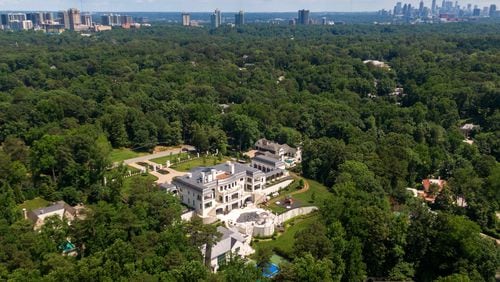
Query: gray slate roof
[227, 241]
[194, 180]
[268, 160]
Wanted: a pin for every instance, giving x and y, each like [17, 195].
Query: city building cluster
[57, 22]
[217, 20]
[447, 11]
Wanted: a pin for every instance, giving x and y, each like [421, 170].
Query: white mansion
[221, 188]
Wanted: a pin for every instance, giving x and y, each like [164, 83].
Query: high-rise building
[433, 8]
[75, 20]
[48, 17]
[398, 9]
[126, 20]
[21, 25]
[421, 9]
[216, 19]
[476, 12]
[493, 10]
[63, 19]
[324, 21]
[87, 20]
[4, 19]
[186, 19]
[239, 18]
[303, 17]
[35, 18]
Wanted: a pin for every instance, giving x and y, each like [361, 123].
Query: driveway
[159, 155]
[162, 178]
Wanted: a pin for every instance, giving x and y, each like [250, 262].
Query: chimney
[214, 174]
[232, 169]
[203, 180]
[25, 213]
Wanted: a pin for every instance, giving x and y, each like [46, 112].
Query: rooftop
[222, 171]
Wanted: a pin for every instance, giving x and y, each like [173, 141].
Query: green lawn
[207, 161]
[171, 158]
[36, 203]
[118, 155]
[284, 242]
[128, 181]
[305, 199]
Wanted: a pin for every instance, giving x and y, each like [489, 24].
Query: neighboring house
[59, 209]
[230, 244]
[219, 189]
[427, 194]
[468, 128]
[272, 167]
[282, 152]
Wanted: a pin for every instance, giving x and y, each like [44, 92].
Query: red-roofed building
[427, 194]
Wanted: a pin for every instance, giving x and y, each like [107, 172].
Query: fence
[294, 213]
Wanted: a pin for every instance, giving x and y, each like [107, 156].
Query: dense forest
[67, 100]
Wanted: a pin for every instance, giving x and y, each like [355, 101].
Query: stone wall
[294, 213]
[277, 187]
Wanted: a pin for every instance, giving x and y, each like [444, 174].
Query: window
[198, 197]
[237, 250]
[209, 204]
[221, 260]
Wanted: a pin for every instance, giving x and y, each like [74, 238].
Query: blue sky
[209, 5]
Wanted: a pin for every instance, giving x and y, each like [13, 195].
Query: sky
[223, 5]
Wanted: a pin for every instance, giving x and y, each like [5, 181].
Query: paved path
[159, 155]
[304, 189]
[162, 178]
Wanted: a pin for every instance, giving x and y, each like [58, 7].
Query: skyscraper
[63, 19]
[239, 18]
[303, 17]
[433, 8]
[421, 9]
[186, 19]
[398, 9]
[216, 19]
[87, 20]
[493, 10]
[35, 18]
[75, 19]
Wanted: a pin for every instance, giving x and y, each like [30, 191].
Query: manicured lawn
[118, 155]
[319, 191]
[284, 243]
[207, 161]
[171, 158]
[128, 181]
[36, 203]
[316, 190]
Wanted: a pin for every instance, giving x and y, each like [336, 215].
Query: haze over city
[209, 5]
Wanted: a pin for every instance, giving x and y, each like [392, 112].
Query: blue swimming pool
[271, 270]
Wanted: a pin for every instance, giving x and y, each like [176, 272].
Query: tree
[306, 268]
[242, 130]
[263, 257]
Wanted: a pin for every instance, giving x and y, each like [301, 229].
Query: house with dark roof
[60, 209]
[272, 167]
[283, 152]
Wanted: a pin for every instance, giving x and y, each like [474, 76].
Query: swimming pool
[271, 270]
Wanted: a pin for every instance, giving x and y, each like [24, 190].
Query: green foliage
[63, 107]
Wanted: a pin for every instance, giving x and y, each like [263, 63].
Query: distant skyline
[210, 5]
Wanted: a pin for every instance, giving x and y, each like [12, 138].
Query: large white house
[219, 189]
